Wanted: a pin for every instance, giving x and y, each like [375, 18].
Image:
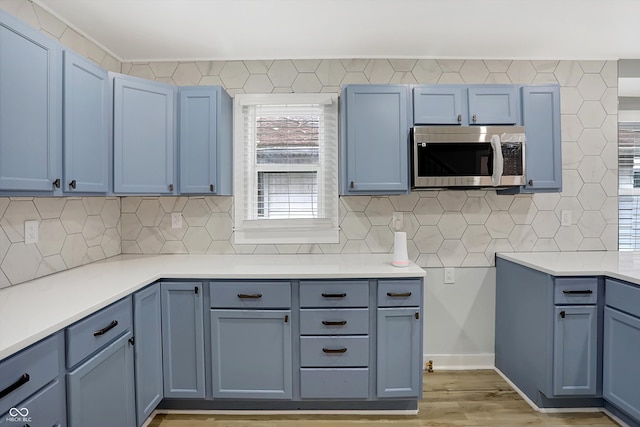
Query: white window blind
[286, 168]
[629, 186]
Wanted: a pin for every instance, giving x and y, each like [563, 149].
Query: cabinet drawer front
[26, 372]
[96, 331]
[334, 383]
[576, 290]
[399, 293]
[334, 351]
[328, 321]
[334, 293]
[623, 296]
[46, 408]
[249, 294]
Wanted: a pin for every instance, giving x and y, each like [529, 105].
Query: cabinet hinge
[131, 340]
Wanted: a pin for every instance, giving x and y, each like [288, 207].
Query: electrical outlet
[30, 232]
[449, 275]
[397, 221]
[176, 220]
[566, 218]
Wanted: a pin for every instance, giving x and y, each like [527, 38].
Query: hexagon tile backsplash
[72, 231]
[444, 228]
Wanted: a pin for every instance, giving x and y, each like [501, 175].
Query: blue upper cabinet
[541, 119]
[30, 113]
[86, 126]
[143, 136]
[375, 139]
[465, 105]
[205, 140]
[493, 105]
[439, 104]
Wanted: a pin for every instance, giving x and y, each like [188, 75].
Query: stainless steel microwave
[467, 156]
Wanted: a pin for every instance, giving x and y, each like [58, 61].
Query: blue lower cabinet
[620, 371]
[575, 350]
[251, 354]
[100, 392]
[147, 321]
[399, 352]
[44, 409]
[183, 340]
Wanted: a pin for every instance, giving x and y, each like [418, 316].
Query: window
[286, 168]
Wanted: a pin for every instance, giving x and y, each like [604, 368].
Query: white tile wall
[444, 228]
[72, 231]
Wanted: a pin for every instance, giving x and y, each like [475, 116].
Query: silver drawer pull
[584, 292]
[24, 378]
[338, 323]
[334, 350]
[334, 295]
[398, 294]
[106, 329]
[249, 296]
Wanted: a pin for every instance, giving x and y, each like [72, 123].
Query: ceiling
[170, 30]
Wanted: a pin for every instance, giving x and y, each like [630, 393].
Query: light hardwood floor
[450, 398]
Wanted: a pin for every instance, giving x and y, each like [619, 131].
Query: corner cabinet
[183, 339]
[541, 119]
[30, 109]
[549, 334]
[86, 105]
[375, 139]
[143, 136]
[205, 140]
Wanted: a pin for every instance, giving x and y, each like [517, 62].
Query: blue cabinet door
[147, 321]
[100, 392]
[621, 376]
[86, 126]
[30, 113]
[541, 119]
[182, 340]
[251, 354]
[143, 136]
[439, 105]
[205, 140]
[575, 351]
[375, 143]
[492, 105]
[399, 366]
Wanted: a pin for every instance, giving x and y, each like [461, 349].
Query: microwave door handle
[498, 160]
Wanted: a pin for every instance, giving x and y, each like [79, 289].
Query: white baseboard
[456, 362]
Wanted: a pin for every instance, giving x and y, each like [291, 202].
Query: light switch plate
[176, 220]
[31, 232]
[449, 275]
[566, 218]
[397, 221]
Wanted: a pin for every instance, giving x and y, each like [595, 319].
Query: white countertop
[36, 309]
[619, 265]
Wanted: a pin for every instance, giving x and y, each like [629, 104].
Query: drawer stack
[334, 339]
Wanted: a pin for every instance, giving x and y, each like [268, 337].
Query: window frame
[293, 230]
